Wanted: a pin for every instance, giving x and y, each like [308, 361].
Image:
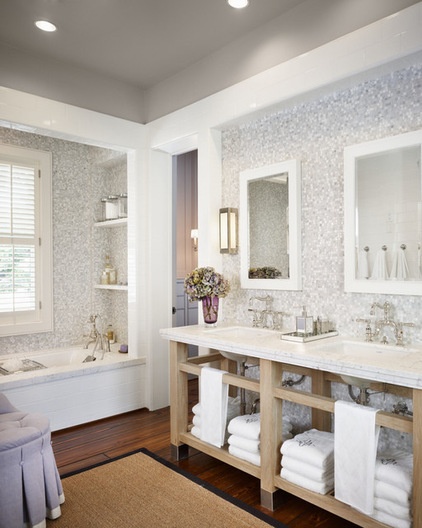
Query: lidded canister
[110, 207]
[123, 205]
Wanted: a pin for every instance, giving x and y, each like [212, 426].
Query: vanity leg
[272, 500]
[271, 431]
[180, 452]
[417, 457]
[321, 420]
[178, 393]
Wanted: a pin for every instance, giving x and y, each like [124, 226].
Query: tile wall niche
[316, 133]
[82, 174]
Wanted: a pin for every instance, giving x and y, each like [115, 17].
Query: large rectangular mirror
[270, 237]
[383, 215]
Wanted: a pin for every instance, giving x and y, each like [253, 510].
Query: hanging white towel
[379, 271]
[355, 447]
[363, 265]
[214, 398]
[399, 268]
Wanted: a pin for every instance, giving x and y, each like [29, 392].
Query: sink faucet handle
[368, 330]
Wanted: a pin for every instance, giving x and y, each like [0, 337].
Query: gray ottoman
[30, 487]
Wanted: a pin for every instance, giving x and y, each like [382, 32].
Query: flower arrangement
[205, 282]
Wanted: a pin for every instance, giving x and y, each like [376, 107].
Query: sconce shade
[228, 230]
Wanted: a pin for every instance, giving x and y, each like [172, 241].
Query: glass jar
[110, 207]
[123, 205]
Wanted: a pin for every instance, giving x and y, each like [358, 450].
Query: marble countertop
[339, 355]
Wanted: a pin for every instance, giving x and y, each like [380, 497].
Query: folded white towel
[313, 485]
[307, 470]
[253, 458]
[246, 426]
[214, 399]
[395, 468]
[196, 409]
[392, 493]
[379, 271]
[390, 520]
[196, 420]
[313, 447]
[385, 506]
[252, 446]
[355, 442]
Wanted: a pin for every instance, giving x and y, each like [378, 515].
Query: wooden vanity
[393, 370]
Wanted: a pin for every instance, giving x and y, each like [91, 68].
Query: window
[25, 241]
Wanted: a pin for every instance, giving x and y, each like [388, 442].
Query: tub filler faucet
[96, 337]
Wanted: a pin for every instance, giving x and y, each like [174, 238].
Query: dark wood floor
[85, 445]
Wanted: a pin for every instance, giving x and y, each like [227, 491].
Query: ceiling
[140, 42]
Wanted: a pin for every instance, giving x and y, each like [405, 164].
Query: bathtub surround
[82, 174]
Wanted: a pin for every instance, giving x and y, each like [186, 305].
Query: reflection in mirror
[269, 227]
[383, 216]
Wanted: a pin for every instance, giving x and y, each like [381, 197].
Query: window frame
[40, 319]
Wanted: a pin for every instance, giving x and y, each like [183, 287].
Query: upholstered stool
[30, 487]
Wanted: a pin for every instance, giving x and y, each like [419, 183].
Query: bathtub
[69, 391]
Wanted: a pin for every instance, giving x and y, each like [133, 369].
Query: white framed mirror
[383, 216]
[270, 227]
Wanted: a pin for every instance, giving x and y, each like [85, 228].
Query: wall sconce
[228, 230]
[194, 237]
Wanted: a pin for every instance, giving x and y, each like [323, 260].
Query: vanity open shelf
[276, 357]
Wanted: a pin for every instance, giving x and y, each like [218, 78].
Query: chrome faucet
[260, 317]
[382, 323]
[98, 338]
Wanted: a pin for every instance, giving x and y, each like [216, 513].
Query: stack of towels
[244, 439]
[308, 460]
[233, 409]
[393, 489]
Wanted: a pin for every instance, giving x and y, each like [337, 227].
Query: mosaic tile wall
[316, 133]
[81, 176]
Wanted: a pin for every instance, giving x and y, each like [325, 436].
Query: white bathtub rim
[112, 361]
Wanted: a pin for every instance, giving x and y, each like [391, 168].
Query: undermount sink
[356, 382]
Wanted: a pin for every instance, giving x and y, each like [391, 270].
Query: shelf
[120, 287]
[112, 223]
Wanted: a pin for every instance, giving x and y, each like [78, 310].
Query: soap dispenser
[304, 323]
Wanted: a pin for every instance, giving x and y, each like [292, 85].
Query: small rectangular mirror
[270, 251]
[383, 215]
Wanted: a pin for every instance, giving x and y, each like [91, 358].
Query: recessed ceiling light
[238, 4]
[44, 25]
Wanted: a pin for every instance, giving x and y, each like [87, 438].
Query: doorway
[185, 245]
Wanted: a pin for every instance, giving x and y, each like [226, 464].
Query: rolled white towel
[395, 468]
[253, 458]
[393, 509]
[384, 490]
[313, 446]
[252, 446]
[318, 487]
[246, 426]
[308, 470]
[390, 520]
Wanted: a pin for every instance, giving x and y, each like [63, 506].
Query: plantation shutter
[18, 238]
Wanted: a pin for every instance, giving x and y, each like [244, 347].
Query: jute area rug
[144, 491]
